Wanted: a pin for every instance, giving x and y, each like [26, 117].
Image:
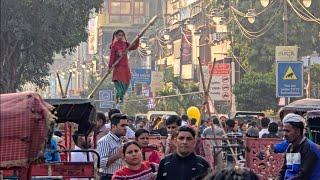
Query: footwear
[121, 100]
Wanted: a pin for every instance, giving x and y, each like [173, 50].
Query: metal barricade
[221, 154]
[252, 153]
[259, 159]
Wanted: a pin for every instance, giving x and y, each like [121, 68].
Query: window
[138, 20]
[127, 11]
[120, 7]
[139, 8]
[120, 19]
[115, 8]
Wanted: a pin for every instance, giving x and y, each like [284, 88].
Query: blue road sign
[141, 76]
[289, 77]
[106, 97]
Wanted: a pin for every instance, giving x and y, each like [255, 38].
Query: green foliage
[174, 86]
[107, 84]
[256, 92]
[135, 106]
[315, 81]
[259, 54]
[32, 31]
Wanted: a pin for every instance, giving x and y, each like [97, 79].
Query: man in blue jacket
[302, 155]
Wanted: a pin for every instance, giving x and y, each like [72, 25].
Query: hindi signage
[220, 89]
[156, 80]
[141, 76]
[286, 53]
[106, 98]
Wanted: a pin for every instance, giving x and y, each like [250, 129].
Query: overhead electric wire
[313, 17]
[157, 97]
[300, 13]
[257, 14]
[306, 17]
[255, 34]
[238, 61]
[266, 26]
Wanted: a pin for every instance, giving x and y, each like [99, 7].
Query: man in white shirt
[81, 144]
[213, 129]
[129, 132]
[184, 120]
[110, 146]
[264, 124]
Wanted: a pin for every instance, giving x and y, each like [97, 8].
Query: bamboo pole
[61, 90]
[69, 79]
[206, 96]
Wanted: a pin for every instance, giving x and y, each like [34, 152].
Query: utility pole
[285, 21]
[285, 32]
[308, 89]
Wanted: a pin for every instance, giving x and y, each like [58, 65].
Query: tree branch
[14, 49]
[29, 47]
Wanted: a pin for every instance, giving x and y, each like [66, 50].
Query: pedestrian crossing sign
[289, 75]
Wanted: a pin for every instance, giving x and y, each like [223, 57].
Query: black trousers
[106, 177]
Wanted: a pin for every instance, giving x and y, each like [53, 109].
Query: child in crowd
[149, 152]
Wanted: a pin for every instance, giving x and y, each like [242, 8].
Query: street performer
[121, 75]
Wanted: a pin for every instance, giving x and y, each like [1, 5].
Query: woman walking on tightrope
[121, 75]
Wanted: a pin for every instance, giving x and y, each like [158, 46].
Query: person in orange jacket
[121, 75]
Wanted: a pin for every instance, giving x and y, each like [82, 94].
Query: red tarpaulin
[24, 125]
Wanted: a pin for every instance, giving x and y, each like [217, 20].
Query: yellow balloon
[194, 112]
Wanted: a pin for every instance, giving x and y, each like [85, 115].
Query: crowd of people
[126, 152]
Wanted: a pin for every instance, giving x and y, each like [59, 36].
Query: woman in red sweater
[121, 74]
[136, 168]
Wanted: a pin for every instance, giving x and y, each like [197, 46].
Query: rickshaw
[67, 111]
[309, 109]
[300, 107]
[154, 114]
[313, 122]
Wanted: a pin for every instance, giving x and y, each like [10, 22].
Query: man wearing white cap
[302, 155]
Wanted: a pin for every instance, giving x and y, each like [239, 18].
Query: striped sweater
[146, 172]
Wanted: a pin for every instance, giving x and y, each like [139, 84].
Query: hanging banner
[186, 47]
[156, 80]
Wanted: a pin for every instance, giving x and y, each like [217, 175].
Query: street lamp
[264, 3]
[74, 68]
[83, 65]
[166, 36]
[148, 51]
[251, 15]
[307, 3]
[143, 45]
